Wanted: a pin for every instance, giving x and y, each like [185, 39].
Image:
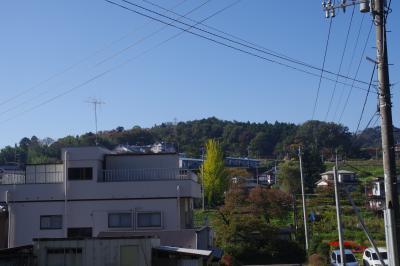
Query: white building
[94, 191]
[345, 177]
[162, 147]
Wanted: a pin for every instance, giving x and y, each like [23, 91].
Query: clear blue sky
[186, 78]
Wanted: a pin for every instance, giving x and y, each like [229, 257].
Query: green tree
[289, 177]
[214, 173]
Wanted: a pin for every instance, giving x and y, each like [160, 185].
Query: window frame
[79, 178]
[121, 213]
[149, 227]
[51, 227]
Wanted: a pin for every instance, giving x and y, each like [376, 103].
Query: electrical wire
[353, 53]
[123, 37]
[322, 70]
[95, 77]
[355, 75]
[150, 35]
[236, 48]
[341, 62]
[366, 98]
[223, 32]
[225, 38]
[74, 65]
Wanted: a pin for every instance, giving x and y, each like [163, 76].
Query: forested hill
[263, 140]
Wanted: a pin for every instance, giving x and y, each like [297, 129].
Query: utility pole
[304, 202]
[338, 215]
[95, 102]
[391, 212]
[388, 154]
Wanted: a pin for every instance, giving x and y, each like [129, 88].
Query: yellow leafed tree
[214, 174]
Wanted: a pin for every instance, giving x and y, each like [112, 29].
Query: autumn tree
[244, 231]
[214, 173]
[269, 203]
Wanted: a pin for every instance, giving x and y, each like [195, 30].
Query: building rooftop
[339, 172]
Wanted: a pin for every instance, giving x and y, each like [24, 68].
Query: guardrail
[148, 174]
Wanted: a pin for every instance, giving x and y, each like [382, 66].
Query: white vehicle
[350, 259]
[370, 258]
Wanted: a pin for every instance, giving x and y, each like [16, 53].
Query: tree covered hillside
[263, 140]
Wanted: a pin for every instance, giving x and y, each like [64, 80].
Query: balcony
[149, 174]
[34, 174]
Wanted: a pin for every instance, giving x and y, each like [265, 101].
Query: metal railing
[36, 174]
[148, 174]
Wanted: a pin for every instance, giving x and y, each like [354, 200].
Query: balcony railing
[33, 175]
[149, 174]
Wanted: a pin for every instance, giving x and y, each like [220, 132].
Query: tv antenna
[95, 102]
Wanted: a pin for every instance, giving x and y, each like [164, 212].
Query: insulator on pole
[364, 6]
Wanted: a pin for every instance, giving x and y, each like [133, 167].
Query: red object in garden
[355, 248]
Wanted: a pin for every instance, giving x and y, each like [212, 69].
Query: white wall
[87, 189]
[25, 217]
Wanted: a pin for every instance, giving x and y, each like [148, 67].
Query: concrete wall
[96, 252]
[25, 217]
[84, 153]
[131, 161]
[79, 190]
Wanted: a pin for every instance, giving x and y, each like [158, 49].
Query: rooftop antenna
[95, 103]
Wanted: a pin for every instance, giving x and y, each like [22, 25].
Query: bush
[317, 260]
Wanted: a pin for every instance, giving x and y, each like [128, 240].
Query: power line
[350, 65]
[341, 62]
[366, 98]
[101, 50]
[239, 49]
[95, 77]
[224, 38]
[223, 32]
[150, 35]
[72, 66]
[355, 75]
[322, 70]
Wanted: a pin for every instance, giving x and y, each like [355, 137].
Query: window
[80, 173]
[118, 220]
[79, 232]
[149, 219]
[49, 222]
[383, 254]
[368, 254]
[349, 258]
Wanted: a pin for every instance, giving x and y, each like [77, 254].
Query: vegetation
[266, 140]
[244, 229]
[214, 174]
